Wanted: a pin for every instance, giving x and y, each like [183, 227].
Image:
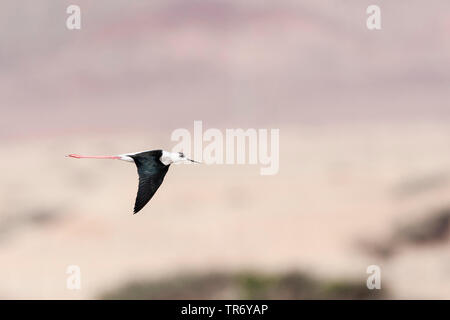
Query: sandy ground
[335, 188]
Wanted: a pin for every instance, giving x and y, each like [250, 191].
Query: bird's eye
[181, 154]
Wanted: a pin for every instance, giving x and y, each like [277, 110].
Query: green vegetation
[245, 285]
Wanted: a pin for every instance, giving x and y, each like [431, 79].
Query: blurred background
[364, 149]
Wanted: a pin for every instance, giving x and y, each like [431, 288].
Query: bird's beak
[192, 160]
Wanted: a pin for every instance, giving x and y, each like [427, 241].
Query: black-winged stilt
[151, 166]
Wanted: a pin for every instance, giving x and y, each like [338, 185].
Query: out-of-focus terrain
[364, 158]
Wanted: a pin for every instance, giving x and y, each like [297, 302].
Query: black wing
[151, 174]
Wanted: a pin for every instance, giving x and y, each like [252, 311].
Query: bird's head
[174, 157]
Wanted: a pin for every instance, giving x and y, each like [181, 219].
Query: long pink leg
[92, 157]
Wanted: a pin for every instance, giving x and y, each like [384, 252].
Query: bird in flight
[151, 166]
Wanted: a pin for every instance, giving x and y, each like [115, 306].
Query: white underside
[126, 156]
